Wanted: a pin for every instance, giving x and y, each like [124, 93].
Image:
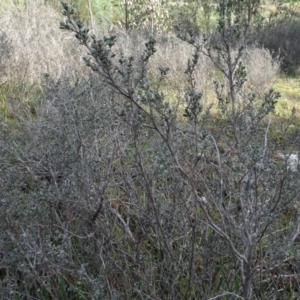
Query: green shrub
[282, 40]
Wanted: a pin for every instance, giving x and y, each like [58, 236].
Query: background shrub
[282, 40]
[261, 69]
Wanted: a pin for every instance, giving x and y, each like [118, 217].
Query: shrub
[261, 69]
[114, 192]
[282, 40]
[5, 54]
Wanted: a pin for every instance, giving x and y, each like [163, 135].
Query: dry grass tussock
[173, 53]
[37, 45]
[261, 69]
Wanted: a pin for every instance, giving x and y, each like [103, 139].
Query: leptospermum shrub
[113, 192]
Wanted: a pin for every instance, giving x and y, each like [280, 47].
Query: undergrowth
[135, 178]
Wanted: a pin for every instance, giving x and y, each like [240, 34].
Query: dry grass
[172, 53]
[261, 69]
[36, 46]
[37, 43]
[33, 46]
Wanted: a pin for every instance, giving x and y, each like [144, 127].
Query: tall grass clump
[262, 69]
[34, 47]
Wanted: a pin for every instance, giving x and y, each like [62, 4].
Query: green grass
[289, 88]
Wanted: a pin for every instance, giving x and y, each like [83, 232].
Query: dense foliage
[156, 168]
